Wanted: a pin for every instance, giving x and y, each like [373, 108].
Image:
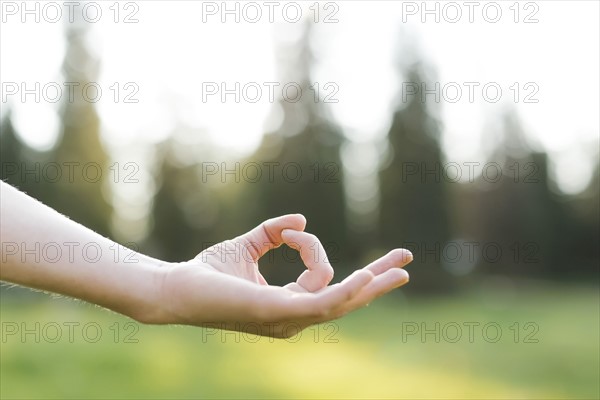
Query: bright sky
[171, 54]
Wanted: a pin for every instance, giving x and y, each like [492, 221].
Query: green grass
[367, 354]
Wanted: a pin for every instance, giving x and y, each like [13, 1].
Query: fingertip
[302, 221]
[295, 222]
[401, 257]
[291, 238]
[405, 273]
[408, 256]
[400, 276]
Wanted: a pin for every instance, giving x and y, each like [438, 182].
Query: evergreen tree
[185, 211]
[414, 203]
[82, 193]
[307, 175]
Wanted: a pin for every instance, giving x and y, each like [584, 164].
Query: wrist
[149, 305]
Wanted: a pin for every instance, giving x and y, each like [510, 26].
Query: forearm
[43, 249]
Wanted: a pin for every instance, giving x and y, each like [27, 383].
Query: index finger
[267, 236]
[319, 271]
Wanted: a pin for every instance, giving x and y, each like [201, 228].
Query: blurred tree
[301, 168]
[184, 210]
[71, 176]
[84, 197]
[11, 153]
[414, 202]
[520, 214]
[584, 228]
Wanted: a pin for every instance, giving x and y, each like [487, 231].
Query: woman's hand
[222, 287]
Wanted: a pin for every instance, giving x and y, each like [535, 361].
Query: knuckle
[322, 312]
[318, 311]
[265, 227]
[348, 295]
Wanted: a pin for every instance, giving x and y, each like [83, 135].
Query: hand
[222, 286]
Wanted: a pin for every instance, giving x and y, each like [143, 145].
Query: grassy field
[532, 342]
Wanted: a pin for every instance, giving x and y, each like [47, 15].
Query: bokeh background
[496, 196]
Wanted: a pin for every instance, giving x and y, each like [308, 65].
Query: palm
[229, 257]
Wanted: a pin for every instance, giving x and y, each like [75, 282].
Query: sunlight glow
[172, 71]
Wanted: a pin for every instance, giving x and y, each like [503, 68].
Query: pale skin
[221, 287]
